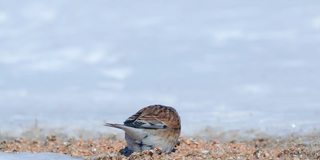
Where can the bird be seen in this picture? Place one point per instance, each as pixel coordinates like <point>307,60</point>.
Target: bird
<point>154,126</point>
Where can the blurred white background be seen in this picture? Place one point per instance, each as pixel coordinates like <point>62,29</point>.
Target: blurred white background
<point>225,64</point>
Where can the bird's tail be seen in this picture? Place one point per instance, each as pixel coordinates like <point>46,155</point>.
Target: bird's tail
<point>120,126</point>
<point>134,133</point>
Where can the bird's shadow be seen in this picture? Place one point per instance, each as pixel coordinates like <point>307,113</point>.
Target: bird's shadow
<point>126,151</point>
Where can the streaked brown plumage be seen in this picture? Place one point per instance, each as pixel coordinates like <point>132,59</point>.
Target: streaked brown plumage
<point>152,126</point>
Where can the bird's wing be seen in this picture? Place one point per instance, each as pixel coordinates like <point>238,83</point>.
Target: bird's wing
<point>148,118</point>
<point>145,124</point>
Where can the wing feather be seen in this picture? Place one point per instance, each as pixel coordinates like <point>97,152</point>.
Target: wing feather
<point>154,117</point>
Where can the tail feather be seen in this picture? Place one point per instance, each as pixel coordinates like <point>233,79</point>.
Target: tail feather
<point>134,133</point>
<point>120,126</point>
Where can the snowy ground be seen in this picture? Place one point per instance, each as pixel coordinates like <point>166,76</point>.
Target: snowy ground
<point>35,156</point>
<point>72,65</point>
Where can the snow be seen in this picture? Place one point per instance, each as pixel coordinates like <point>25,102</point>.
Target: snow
<point>35,156</point>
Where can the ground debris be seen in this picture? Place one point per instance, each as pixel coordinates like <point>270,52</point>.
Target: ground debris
<point>105,148</point>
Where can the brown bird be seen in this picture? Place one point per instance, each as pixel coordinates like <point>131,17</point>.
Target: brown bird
<point>153,126</point>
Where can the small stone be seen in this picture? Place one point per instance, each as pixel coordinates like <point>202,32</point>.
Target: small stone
<point>51,138</point>
<point>205,151</point>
